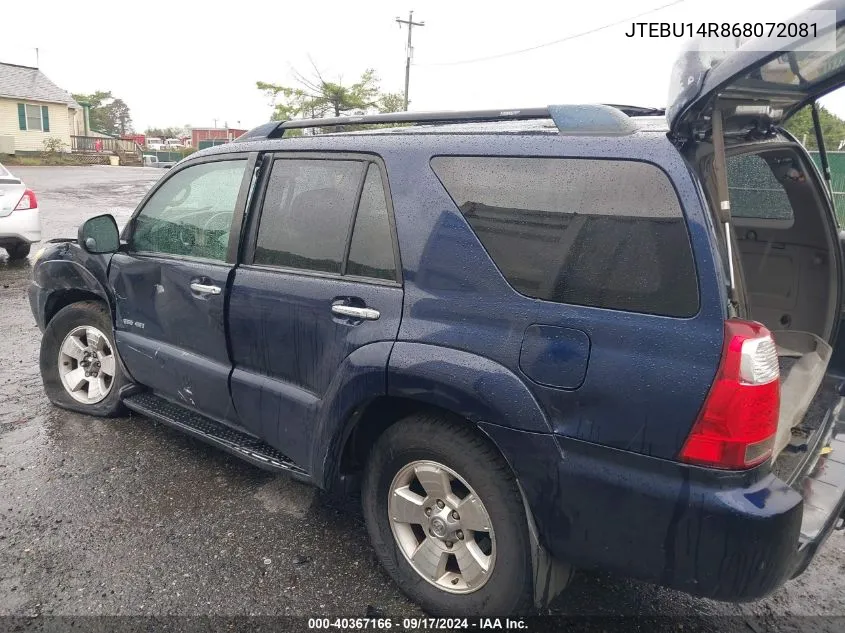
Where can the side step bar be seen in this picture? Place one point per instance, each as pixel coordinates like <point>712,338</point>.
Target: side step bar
<point>240,444</point>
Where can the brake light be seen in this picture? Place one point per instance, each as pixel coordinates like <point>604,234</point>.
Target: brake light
<point>27,201</point>
<point>737,426</point>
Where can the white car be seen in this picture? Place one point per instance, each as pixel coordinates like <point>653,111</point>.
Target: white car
<point>20,223</point>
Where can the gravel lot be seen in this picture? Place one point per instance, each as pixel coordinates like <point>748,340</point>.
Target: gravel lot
<point>127,517</point>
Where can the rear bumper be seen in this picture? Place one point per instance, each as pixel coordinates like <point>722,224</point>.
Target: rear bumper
<point>727,536</point>
<point>21,226</point>
<point>821,489</point>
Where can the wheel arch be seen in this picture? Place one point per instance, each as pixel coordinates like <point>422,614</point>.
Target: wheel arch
<point>64,297</point>
<point>425,377</point>
<point>63,282</point>
<point>364,427</point>
<point>550,576</point>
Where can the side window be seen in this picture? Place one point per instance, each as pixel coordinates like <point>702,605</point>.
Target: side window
<point>191,213</point>
<point>608,234</point>
<point>755,191</point>
<point>371,251</point>
<point>306,213</point>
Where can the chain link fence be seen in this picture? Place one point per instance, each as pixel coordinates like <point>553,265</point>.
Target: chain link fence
<point>836,160</point>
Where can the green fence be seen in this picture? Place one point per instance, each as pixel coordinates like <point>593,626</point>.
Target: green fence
<point>836,160</point>
<point>211,142</point>
<point>166,157</point>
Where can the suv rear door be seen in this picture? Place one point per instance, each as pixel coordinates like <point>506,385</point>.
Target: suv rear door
<point>764,80</point>
<point>170,282</point>
<point>319,279</point>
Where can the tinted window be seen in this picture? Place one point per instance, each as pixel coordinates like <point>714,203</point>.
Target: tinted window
<point>191,213</point>
<point>601,233</point>
<point>307,210</point>
<point>754,190</point>
<point>371,251</point>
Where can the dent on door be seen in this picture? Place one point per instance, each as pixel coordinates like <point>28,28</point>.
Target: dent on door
<point>169,334</point>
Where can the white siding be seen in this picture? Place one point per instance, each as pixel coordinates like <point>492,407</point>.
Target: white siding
<point>33,140</point>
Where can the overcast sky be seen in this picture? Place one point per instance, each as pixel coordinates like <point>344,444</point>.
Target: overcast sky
<point>186,62</point>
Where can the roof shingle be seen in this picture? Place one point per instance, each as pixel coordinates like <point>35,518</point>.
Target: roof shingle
<point>25,82</point>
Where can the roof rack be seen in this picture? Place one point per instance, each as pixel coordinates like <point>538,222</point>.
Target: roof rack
<point>587,119</point>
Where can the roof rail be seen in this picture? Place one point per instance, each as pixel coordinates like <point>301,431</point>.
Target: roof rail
<point>569,119</point>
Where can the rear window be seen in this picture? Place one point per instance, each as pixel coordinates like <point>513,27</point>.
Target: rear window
<point>754,190</point>
<point>601,233</point>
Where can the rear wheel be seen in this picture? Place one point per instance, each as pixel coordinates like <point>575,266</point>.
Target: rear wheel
<point>18,250</point>
<point>447,520</point>
<point>79,364</point>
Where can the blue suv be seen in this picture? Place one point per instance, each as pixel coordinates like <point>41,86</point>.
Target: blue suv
<point>576,336</point>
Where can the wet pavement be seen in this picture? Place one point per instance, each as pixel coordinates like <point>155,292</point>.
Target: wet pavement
<point>127,517</point>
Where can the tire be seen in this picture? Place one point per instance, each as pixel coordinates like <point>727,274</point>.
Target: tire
<point>423,439</point>
<point>19,251</point>
<point>76,320</point>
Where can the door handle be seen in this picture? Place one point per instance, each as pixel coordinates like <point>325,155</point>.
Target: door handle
<point>205,289</point>
<point>367,314</point>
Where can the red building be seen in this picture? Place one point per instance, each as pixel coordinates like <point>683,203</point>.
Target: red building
<point>140,139</point>
<point>213,133</point>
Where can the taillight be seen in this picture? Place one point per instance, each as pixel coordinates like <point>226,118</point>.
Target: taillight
<point>27,201</point>
<point>738,423</point>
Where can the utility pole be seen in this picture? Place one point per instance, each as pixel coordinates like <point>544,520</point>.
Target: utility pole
<point>409,51</point>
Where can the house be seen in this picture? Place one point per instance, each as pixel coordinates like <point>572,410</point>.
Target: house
<point>213,134</point>
<point>33,108</point>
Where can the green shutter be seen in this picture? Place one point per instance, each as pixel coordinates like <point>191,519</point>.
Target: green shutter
<point>22,116</point>
<point>45,119</point>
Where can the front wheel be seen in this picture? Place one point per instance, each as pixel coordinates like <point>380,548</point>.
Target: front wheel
<point>446,518</point>
<point>79,364</point>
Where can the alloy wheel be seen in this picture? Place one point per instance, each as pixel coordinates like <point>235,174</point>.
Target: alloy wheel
<point>441,527</point>
<point>87,365</point>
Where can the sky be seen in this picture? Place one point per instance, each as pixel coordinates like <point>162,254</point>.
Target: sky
<point>181,62</point>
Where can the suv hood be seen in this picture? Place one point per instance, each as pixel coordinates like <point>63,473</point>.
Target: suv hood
<point>755,86</point>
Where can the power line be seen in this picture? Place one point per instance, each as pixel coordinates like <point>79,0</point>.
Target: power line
<point>563,39</point>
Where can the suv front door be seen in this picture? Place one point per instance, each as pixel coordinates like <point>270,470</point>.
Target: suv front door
<point>170,282</point>
<point>317,298</point>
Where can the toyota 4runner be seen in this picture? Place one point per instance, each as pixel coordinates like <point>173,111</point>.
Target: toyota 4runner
<point>576,336</point>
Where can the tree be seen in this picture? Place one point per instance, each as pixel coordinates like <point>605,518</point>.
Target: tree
<point>391,102</point>
<point>106,113</point>
<point>315,97</point>
<point>833,128</point>
<point>96,110</point>
<point>167,132</point>
<point>119,118</point>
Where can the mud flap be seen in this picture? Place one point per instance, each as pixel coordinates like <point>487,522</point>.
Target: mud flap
<point>551,576</point>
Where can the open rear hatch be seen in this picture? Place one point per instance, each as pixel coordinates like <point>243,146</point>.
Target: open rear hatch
<point>734,97</point>
<point>759,82</point>
<point>730,99</point>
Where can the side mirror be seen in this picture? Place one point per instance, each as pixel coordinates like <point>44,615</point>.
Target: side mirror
<point>99,235</point>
